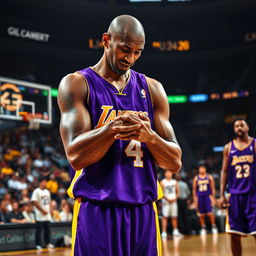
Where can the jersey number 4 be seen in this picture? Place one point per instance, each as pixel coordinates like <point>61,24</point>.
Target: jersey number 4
<point>245,173</point>
<point>133,149</point>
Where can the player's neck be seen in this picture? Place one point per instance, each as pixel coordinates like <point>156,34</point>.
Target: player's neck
<point>105,71</point>
<point>202,175</point>
<point>245,139</point>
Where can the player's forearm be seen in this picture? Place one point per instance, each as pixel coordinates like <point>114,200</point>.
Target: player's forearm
<point>89,147</point>
<point>223,182</point>
<point>167,154</point>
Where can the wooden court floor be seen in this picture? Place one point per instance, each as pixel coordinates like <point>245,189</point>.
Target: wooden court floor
<point>208,245</point>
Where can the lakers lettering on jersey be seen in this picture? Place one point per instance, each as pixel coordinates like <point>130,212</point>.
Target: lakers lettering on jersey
<point>241,170</point>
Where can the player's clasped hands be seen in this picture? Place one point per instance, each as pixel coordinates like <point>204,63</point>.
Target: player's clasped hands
<point>133,126</point>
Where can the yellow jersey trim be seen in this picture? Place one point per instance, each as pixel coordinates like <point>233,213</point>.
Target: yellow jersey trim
<point>120,92</point>
<point>71,187</point>
<point>160,193</point>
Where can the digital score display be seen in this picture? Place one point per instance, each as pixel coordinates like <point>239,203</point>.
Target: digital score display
<point>180,45</point>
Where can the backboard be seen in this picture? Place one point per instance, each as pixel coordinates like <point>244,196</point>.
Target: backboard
<point>20,98</point>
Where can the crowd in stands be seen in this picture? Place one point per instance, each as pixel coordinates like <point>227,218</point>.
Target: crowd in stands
<point>25,156</point>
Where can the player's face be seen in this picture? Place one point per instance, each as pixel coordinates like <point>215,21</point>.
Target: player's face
<point>202,170</point>
<point>123,53</point>
<point>240,128</point>
<point>168,175</point>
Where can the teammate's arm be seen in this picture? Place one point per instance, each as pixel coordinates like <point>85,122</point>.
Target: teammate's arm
<point>83,144</point>
<point>194,191</point>
<point>162,142</point>
<point>212,185</point>
<point>224,177</point>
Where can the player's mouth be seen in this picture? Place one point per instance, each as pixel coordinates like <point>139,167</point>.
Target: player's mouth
<point>124,65</point>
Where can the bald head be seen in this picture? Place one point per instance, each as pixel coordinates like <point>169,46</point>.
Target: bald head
<point>125,26</point>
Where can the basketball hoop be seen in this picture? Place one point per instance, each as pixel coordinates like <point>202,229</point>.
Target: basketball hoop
<point>31,119</point>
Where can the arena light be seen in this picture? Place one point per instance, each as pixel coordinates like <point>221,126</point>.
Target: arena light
<point>177,98</point>
<point>218,149</point>
<point>54,92</point>
<point>198,97</point>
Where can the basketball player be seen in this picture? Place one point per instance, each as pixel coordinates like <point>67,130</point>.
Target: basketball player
<point>170,206</point>
<point>238,171</point>
<point>204,197</point>
<point>115,127</point>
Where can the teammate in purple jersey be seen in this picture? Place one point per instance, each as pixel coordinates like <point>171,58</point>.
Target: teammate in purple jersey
<point>115,127</point>
<point>204,197</point>
<point>239,172</point>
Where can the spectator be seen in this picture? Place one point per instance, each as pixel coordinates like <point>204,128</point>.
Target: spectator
<point>24,198</point>
<point>66,214</point>
<point>55,212</point>
<point>3,211</point>
<point>8,197</point>
<point>41,199</point>
<point>16,216</point>
<point>28,212</point>
<point>53,186</point>
<point>3,190</point>
<point>6,169</point>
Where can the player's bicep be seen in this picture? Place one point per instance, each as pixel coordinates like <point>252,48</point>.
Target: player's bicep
<point>161,106</point>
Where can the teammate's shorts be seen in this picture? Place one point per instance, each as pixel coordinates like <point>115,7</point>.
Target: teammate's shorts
<point>110,229</point>
<point>169,209</point>
<point>204,204</point>
<point>241,217</point>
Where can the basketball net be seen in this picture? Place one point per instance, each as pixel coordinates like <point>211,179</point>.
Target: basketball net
<point>31,119</point>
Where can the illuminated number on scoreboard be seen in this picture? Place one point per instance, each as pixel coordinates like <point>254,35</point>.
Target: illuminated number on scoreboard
<point>240,168</point>
<point>134,150</point>
<point>202,187</point>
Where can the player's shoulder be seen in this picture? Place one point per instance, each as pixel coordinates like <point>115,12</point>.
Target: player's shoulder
<point>227,147</point>
<point>153,83</point>
<point>73,85</point>
<point>71,80</point>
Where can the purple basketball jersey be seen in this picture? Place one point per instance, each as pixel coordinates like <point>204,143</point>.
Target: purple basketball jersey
<point>241,170</point>
<point>203,186</point>
<point>127,173</point>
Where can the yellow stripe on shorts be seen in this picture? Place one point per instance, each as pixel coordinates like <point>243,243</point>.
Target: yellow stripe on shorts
<point>74,223</point>
<point>158,237</point>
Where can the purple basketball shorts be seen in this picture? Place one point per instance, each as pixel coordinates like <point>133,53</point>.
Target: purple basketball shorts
<point>204,204</point>
<point>111,229</point>
<point>241,218</point>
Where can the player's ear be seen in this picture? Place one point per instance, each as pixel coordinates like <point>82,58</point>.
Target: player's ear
<point>106,40</point>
